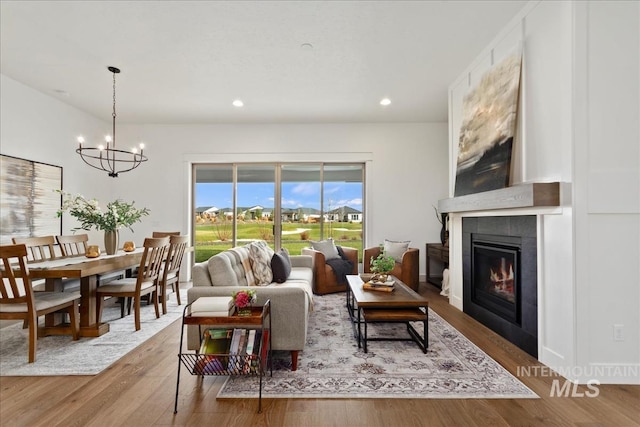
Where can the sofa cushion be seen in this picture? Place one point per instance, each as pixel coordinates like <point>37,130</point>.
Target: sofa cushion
<point>300,280</point>
<point>281,266</point>
<point>200,274</point>
<point>395,249</point>
<point>241,259</point>
<point>260,255</point>
<point>221,272</point>
<point>327,247</point>
<point>301,274</point>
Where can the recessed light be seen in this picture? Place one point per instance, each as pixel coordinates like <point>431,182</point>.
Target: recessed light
<point>238,103</point>
<point>306,46</point>
<point>385,101</point>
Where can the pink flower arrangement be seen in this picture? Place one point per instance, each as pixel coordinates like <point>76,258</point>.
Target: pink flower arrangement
<point>244,298</point>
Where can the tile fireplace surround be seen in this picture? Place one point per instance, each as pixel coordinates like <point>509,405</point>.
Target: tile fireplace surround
<point>518,232</point>
<point>515,213</point>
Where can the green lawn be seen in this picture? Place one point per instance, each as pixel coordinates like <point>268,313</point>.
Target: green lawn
<point>212,239</point>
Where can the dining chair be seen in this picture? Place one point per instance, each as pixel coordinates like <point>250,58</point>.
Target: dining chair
<point>170,274</point>
<point>74,244</point>
<point>38,248</point>
<point>126,302</point>
<point>156,234</point>
<point>145,283</point>
<point>19,301</point>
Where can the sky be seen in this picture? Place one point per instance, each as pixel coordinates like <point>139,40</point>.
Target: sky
<point>294,195</point>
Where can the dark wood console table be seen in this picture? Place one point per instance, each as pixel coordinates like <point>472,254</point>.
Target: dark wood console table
<point>439,255</point>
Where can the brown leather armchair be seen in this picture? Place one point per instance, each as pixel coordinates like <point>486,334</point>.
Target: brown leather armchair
<point>407,271</point>
<point>324,278</point>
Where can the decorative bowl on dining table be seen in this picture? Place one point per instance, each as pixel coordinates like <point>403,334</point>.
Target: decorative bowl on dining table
<point>93,251</point>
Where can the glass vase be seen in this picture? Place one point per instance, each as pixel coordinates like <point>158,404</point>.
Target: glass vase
<point>244,311</point>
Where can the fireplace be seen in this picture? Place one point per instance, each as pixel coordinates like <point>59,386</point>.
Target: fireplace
<point>494,276</point>
<point>500,276</point>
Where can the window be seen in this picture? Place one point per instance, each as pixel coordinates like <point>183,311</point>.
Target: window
<point>284,204</point>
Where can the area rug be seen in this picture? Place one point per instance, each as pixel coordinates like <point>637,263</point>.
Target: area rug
<point>332,365</point>
<point>60,355</point>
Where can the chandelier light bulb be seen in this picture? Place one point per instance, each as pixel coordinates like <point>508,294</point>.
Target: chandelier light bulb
<point>80,139</point>
<point>238,103</point>
<point>141,146</point>
<point>134,150</point>
<point>108,138</point>
<point>100,147</point>
<point>385,102</point>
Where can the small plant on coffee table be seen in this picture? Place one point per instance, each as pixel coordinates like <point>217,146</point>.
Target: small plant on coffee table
<point>382,266</point>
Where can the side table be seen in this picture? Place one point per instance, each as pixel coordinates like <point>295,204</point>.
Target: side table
<point>226,363</point>
<point>437,254</point>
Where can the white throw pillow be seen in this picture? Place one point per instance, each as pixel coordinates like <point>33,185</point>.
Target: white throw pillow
<point>327,247</point>
<point>396,249</point>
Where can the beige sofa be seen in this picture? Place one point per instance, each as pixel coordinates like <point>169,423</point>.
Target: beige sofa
<point>291,301</point>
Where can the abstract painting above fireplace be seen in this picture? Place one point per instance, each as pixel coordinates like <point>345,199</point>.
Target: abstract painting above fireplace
<point>500,276</point>
<point>488,128</point>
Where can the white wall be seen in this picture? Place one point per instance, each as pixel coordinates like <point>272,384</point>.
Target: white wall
<point>406,167</point>
<point>607,186</point>
<point>37,127</point>
<point>406,163</point>
<point>579,112</point>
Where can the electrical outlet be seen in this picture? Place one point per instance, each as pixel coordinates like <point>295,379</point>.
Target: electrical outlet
<point>618,332</point>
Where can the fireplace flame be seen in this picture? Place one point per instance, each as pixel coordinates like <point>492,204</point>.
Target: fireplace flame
<point>503,274</point>
<point>502,280</point>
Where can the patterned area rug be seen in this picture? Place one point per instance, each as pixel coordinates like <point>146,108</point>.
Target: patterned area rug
<point>332,365</point>
<point>60,355</point>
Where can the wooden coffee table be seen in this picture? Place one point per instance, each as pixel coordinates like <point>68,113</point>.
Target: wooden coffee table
<point>402,305</point>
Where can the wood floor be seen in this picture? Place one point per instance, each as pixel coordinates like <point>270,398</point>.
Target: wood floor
<point>139,390</point>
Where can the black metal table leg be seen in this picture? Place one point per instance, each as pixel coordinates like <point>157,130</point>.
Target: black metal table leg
<point>175,406</point>
<point>365,337</point>
<point>359,337</point>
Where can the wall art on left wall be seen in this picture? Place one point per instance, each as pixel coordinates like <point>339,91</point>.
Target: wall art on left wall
<point>28,200</point>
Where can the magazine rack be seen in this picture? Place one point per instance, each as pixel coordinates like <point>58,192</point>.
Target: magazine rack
<point>229,363</point>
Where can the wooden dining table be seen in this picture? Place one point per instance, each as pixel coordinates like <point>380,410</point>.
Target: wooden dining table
<point>88,271</point>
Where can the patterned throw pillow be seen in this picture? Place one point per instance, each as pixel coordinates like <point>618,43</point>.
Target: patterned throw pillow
<point>260,255</point>
<point>396,249</point>
<point>281,266</point>
<point>327,247</point>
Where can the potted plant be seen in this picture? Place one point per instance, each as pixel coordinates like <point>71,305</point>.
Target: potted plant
<point>382,266</point>
<point>117,214</point>
<point>242,300</point>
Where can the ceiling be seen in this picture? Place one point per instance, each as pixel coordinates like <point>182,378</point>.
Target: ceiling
<point>186,61</point>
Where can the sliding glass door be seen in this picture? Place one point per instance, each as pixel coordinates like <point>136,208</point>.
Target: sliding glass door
<point>342,200</point>
<point>255,195</point>
<point>284,204</point>
<point>214,215</point>
<point>300,206</point>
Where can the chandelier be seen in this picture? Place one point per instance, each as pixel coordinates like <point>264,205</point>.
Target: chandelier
<point>109,158</point>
